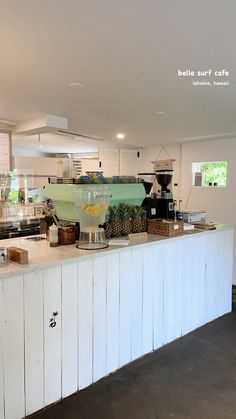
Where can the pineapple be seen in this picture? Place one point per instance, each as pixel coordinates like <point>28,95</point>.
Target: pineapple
<point>139,220</point>
<point>113,223</point>
<point>125,211</point>
<point>108,224</point>
<point>116,223</point>
<point>136,220</point>
<point>143,216</point>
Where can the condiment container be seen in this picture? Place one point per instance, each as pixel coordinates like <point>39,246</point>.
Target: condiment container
<point>3,256</point>
<point>66,234</point>
<point>53,235</point>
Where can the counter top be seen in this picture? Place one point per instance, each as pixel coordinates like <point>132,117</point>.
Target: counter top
<point>41,255</point>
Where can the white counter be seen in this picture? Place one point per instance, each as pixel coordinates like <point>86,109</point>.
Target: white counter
<point>113,306</point>
<point>42,255</point>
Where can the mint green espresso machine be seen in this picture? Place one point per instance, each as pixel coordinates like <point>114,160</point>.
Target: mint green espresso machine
<point>63,196</point>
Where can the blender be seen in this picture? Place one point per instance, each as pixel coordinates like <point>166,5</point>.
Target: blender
<point>91,204</point>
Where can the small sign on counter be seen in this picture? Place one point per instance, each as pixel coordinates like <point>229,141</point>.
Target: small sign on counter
<point>138,236</point>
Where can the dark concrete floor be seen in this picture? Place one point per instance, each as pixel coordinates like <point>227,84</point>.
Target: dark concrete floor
<point>191,378</point>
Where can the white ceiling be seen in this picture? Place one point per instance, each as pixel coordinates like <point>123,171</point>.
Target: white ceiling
<point>126,54</point>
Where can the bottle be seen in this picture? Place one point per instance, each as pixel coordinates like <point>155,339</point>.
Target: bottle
<point>53,235</point>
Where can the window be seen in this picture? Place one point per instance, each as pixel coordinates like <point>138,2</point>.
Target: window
<point>210,173</point>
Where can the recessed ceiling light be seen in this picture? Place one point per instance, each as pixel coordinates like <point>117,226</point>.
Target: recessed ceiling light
<point>76,84</point>
<point>120,136</point>
<point>161,113</point>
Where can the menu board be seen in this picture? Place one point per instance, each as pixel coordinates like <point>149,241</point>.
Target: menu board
<point>4,152</point>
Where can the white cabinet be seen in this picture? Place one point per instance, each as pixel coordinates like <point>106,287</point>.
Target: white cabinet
<point>13,347</point>
<point>90,165</point>
<point>85,323</point>
<point>99,317</point>
<point>113,310</point>
<point>109,160</point>
<point>69,332</point>
<point>125,307</point>
<point>136,304</point>
<point>218,275</point>
<point>52,335</point>
<point>225,260</point>
<point>193,283</point>
<point>157,287</point>
<point>1,354</point>
<point>172,289</point>
<point>129,162</point>
<point>65,327</point>
<point>114,162</point>
<point>34,340</point>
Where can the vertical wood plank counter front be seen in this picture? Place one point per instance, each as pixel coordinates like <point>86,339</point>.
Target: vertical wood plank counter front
<point>67,323</point>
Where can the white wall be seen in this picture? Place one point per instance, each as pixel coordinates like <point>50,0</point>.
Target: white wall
<point>219,203</point>
<point>172,151</point>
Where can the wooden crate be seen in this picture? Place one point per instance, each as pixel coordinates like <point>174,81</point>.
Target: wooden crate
<point>165,227</point>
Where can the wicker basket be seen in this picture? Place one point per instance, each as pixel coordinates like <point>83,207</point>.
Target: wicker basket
<point>165,227</point>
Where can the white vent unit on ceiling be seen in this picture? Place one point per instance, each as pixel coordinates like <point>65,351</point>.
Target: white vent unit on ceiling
<point>44,124</point>
<point>77,136</point>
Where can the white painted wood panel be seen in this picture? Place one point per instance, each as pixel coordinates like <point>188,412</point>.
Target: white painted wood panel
<point>158,296</point>
<point>99,317</point>
<point>69,329</point>
<point>52,335</point>
<point>125,314</point>
<point>1,355</point>
<point>113,307</point>
<point>225,259</point>
<point>172,289</point>
<point>193,284</point>
<point>34,375</point>
<point>85,323</point>
<point>13,347</point>
<point>148,298</point>
<point>136,297</point>
<point>212,278</point>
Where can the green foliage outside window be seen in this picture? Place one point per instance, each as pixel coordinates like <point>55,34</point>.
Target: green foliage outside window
<point>214,174</point>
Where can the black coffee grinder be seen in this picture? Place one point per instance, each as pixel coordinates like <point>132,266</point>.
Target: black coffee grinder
<point>165,200</point>
<point>162,205</point>
<point>149,203</point>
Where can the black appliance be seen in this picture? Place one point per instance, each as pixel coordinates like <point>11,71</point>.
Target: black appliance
<point>162,205</point>
<point>22,228</point>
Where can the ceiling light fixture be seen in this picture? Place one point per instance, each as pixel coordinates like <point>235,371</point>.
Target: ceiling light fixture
<point>76,84</point>
<point>120,136</point>
<point>161,113</point>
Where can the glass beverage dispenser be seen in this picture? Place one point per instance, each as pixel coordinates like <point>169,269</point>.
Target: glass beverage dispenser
<point>91,204</point>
